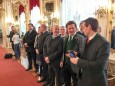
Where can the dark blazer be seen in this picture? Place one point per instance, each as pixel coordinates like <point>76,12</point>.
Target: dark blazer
<point>80,33</point>
<point>93,64</point>
<point>79,42</point>
<point>113,39</point>
<point>11,35</point>
<point>53,48</point>
<point>42,39</point>
<point>29,38</point>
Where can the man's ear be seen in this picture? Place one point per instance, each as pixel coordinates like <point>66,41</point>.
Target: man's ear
<point>89,26</point>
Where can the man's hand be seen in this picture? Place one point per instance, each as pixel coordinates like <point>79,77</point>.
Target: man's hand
<point>68,55</point>
<point>47,60</point>
<point>74,60</point>
<point>25,44</point>
<point>37,51</point>
<point>61,64</point>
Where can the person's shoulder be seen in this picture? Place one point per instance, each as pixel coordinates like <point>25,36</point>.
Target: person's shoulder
<point>61,38</point>
<point>66,36</point>
<point>49,36</point>
<point>102,40</point>
<point>78,36</point>
<point>47,33</point>
<point>34,31</point>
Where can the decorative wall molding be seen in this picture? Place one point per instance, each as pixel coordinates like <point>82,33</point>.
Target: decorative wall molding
<point>22,2</point>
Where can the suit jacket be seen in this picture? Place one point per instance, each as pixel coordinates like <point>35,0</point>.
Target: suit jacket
<point>11,35</point>
<point>53,48</point>
<point>79,42</point>
<point>113,39</point>
<point>80,33</point>
<point>94,62</point>
<point>29,38</point>
<point>42,39</point>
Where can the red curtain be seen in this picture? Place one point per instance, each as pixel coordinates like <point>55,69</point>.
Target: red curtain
<point>21,9</point>
<point>33,3</point>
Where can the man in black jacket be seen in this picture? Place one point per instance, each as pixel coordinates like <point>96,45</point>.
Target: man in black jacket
<point>81,28</point>
<point>113,38</point>
<point>39,51</point>
<point>29,39</point>
<point>12,32</point>
<point>73,41</point>
<point>93,64</point>
<point>53,50</point>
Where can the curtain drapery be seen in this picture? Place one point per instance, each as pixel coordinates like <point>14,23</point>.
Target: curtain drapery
<point>33,3</point>
<point>21,9</point>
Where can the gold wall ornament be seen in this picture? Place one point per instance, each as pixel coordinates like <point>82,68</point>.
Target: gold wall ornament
<point>100,12</point>
<point>43,20</point>
<point>110,22</point>
<point>1,1</point>
<point>22,2</point>
<point>112,1</point>
<point>50,9</point>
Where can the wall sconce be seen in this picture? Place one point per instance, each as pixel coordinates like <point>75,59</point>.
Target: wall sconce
<point>101,12</point>
<point>55,17</point>
<point>43,20</point>
<point>55,20</point>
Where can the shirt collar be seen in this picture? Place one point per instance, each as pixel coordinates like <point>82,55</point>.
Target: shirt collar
<point>44,31</point>
<point>62,35</point>
<point>90,38</point>
<point>30,31</point>
<point>72,35</point>
<point>54,36</point>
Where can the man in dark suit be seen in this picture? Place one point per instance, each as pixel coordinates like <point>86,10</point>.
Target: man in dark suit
<point>72,41</point>
<point>12,32</point>
<point>62,31</point>
<point>113,38</point>
<point>29,39</point>
<point>93,64</point>
<point>53,50</point>
<point>39,51</point>
<point>81,28</point>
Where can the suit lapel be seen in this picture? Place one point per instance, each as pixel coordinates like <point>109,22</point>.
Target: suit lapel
<point>65,41</point>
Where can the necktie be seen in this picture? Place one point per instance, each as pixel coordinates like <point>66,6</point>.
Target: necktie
<point>88,40</point>
<point>70,38</point>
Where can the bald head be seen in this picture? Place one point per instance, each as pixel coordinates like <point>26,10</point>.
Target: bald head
<point>62,30</point>
<point>43,27</point>
<point>55,30</point>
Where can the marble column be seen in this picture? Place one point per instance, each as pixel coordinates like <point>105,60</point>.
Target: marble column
<point>7,21</point>
<point>27,13</point>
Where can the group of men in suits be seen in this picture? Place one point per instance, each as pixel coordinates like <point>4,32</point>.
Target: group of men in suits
<point>87,68</point>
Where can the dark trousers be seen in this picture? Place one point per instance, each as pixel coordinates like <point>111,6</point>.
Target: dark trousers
<point>43,66</point>
<point>12,44</point>
<point>54,73</point>
<point>17,50</point>
<point>32,56</point>
<point>68,74</point>
<point>38,62</point>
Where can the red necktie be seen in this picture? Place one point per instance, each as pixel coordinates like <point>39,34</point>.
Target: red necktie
<point>88,40</point>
